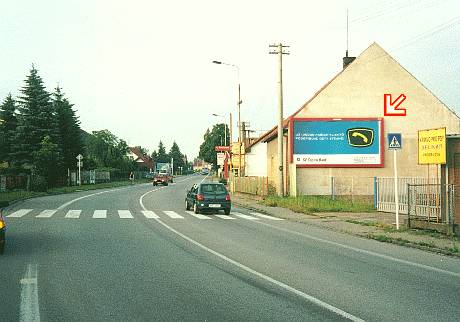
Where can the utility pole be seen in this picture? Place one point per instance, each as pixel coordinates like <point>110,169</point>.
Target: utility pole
<point>279,51</point>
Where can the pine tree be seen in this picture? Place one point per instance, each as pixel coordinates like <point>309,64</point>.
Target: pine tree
<point>69,129</point>
<point>162,156</point>
<point>8,124</point>
<point>178,157</point>
<point>36,120</point>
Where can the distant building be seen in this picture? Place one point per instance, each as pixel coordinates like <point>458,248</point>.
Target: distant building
<point>199,165</point>
<point>143,161</point>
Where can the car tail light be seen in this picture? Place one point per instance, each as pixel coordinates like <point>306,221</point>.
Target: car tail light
<point>227,197</point>
<point>199,197</point>
<point>2,223</point>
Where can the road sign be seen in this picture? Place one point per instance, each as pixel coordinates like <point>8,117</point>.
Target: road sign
<point>79,163</point>
<point>392,108</point>
<point>79,157</point>
<point>432,146</point>
<point>394,141</point>
<point>220,148</point>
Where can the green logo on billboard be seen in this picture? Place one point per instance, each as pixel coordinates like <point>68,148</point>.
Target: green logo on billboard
<point>360,137</point>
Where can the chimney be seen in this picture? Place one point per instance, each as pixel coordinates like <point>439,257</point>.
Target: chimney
<point>347,60</point>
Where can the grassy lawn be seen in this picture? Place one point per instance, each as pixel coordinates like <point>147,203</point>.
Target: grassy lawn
<point>22,194</point>
<point>310,204</point>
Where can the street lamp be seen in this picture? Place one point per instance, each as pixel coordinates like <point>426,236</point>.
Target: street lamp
<point>225,127</point>
<point>239,107</point>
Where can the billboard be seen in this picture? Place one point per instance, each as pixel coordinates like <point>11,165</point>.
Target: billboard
<point>356,142</point>
<point>432,146</point>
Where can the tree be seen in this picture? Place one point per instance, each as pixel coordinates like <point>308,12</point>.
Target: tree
<point>69,128</point>
<point>107,151</point>
<point>36,120</point>
<point>178,157</point>
<point>46,159</point>
<point>8,124</point>
<point>211,140</point>
<point>162,156</point>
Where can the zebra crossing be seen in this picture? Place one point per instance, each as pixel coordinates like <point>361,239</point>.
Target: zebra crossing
<point>128,214</point>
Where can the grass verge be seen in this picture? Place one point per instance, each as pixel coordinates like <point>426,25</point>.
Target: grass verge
<point>454,250</point>
<point>310,204</point>
<point>11,196</point>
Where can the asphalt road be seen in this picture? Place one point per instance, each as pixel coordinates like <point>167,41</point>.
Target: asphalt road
<point>146,259</point>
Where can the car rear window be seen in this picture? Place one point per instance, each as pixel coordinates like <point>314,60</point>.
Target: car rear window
<point>213,188</point>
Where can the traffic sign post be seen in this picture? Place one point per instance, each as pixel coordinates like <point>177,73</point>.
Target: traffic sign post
<point>395,143</point>
<point>79,165</point>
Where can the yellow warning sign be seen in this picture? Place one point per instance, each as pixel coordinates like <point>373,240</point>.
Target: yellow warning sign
<point>432,146</point>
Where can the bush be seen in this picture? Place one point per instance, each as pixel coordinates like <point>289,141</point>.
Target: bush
<point>38,183</point>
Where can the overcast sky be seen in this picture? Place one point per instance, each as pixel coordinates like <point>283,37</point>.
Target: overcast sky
<point>142,68</point>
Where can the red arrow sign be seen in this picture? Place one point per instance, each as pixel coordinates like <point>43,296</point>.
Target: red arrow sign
<point>391,108</point>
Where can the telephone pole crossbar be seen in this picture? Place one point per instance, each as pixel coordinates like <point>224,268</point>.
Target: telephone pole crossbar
<point>280,52</point>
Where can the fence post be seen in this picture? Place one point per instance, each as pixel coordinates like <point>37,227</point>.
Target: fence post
<point>408,205</point>
<point>332,188</point>
<point>375,192</point>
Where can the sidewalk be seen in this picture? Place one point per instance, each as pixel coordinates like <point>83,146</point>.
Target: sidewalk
<point>375,225</point>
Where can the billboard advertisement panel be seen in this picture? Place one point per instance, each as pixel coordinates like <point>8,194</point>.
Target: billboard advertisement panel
<point>337,142</point>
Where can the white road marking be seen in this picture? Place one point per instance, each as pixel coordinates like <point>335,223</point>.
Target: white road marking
<point>173,214</point>
<point>150,214</point>
<point>197,215</point>
<point>125,214</point>
<point>256,273</point>
<point>20,213</point>
<point>100,214</point>
<point>73,214</point>
<point>367,252</point>
<point>244,216</point>
<point>265,216</point>
<point>29,309</point>
<point>225,217</point>
<point>46,213</point>
<point>64,205</point>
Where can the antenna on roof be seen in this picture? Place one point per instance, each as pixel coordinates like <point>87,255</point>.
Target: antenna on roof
<point>347,59</point>
<point>346,53</point>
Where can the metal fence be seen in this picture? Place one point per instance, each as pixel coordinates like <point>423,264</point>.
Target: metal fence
<point>250,185</point>
<point>385,194</point>
<point>431,202</point>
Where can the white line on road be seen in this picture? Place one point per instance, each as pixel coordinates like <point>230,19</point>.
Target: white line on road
<point>191,213</point>
<point>20,213</point>
<point>367,252</point>
<point>265,216</point>
<point>100,214</point>
<point>256,273</point>
<point>90,195</point>
<point>150,214</point>
<point>173,214</point>
<point>29,309</point>
<point>46,213</point>
<point>125,214</point>
<point>244,216</point>
<point>73,214</point>
<point>225,217</point>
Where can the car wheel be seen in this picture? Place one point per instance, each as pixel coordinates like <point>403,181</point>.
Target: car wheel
<point>227,211</point>
<point>196,209</point>
<point>187,207</point>
<point>154,184</point>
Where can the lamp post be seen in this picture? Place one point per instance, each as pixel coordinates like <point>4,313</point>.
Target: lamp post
<point>225,127</point>
<point>239,108</point>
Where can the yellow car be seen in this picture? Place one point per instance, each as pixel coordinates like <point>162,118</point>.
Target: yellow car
<point>3,204</point>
